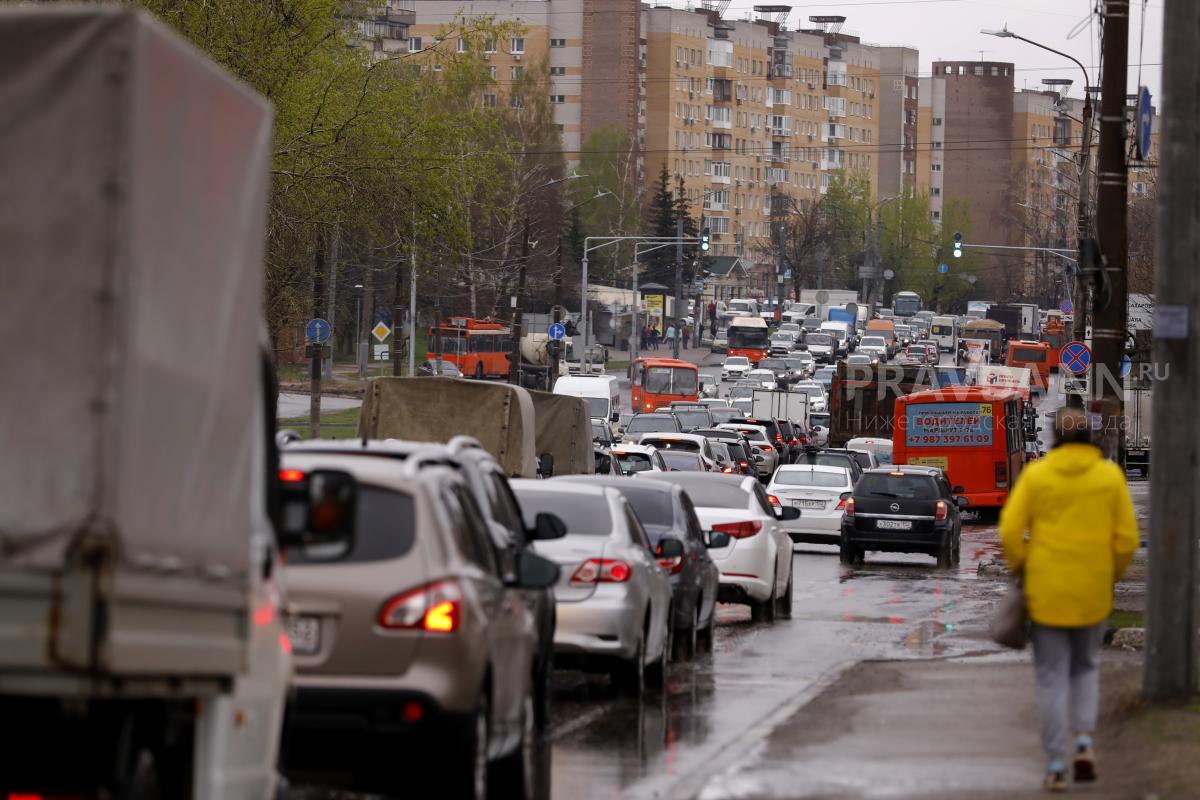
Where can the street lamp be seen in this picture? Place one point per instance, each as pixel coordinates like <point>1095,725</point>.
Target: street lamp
<point>360,347</point>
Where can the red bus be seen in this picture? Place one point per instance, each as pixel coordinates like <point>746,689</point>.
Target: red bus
<point>748,337</point>
<point>1055,335</point>
<point>657,382</point>
<point>975,435</point>
<point>1033,356</point>
<point>480,347</point>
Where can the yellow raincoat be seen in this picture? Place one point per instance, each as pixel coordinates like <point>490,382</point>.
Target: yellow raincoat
<point>1082,534</point>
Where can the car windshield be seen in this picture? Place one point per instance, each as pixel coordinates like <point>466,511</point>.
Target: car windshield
<point>897,485</point>
<point>819,419</point>
<point>754,434</point>
<point>844,460</point>
<point>585,514</point>
<point>712,492</point>
<point>649,423</point>
<point>741,391</point>
<point>811,477</point>
<point>688,462</point>
<point>693,418</point>
<point>863,459</point>
<point>670,380</point>
<point>633,462</point>
<point>872,341</point>
<point>782,338</point>
<point>598,407</point>
<point>857,359</point>
<point>819,339</point>
<point>810,324</point>
<point>794,363</point>
<point>686,445</point>
<point>772,364</point>
<point>747,337</point>
<point>384,528</point>
<point>600,430</point>
<point>737,361</point>
<point>810,391</point>
<point>720,415</point>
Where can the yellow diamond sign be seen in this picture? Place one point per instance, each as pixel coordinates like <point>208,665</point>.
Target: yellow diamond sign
<point>381,331</point>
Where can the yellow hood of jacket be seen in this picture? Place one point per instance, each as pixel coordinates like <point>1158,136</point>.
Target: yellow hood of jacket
<point>1069,524</point>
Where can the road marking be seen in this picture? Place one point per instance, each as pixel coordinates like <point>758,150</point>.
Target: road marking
<point>581,721</point>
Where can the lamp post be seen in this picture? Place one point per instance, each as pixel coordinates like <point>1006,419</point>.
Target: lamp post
<point>359,345</point>
<point>873,255</point>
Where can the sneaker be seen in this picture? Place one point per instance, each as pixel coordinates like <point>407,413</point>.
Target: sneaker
<point>1055,781</point>
<point>1084,762</point>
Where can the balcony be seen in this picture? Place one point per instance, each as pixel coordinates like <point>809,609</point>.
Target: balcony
<point>722,90</point>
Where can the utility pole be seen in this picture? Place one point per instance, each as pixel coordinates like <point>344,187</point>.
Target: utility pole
<point>867,265</point>
<point>412,302</point>
<point>678,283</point>
<point>1109,303</point>
<point>332,308</point>
<point>1171,669</point>
<point>779,267</point>
<point>514,357</point>
<point>315,350</point>
<point>554,349</point>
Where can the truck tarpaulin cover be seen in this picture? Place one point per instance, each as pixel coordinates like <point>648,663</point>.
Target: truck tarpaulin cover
<point>564,430</point>
<point>438,409</point>
<point>133,205</point>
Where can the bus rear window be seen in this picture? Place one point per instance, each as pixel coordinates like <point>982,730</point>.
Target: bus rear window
<point>1030,355</point>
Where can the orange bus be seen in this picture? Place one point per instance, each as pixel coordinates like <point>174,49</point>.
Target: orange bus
<point>1055,335</point>
<point>975,435</point>
<point>658,382</point>
<point>748,337</point>
<point>479,347</point>
<point>1033,356</point>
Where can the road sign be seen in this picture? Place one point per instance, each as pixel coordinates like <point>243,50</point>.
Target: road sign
<point>1145,121</point>
<point>943,268</point>
<point>381,331</point>
<point>1066,306</point>
<point>888,274</point>
<point>558,331</point>
<point>822,297</point>
<point>1126,366</point>
<point>1075,357</point>
<point>317,330</point>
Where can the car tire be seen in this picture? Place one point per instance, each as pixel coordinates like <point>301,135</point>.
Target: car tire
<point>656,673</point>
<point>945,552</point>
<point>764,611</point>
<point>629,677</point>
<point>957,553</point>
<point>687,641</point>
<point>515,774</point>
<point>784,606</point>
<point>705,639</point>
<point>472,779</point>
<point>848,554</point>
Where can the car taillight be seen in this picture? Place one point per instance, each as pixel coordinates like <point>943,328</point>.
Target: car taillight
<point>436,608</point>
<point>1001,474</point>
<point>291,475</point>
<point>602,570</point>
<point>727,470</point>
<point>941,510</point>
<point>774,500</point>
<point>843,500</point>
<point>739,530</point>
<point>849,507</point>
<point>671,565</point>
<point>743,463</point>
<point>793,441</point>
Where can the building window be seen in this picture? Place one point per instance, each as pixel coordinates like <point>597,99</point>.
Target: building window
<point>414,44</point>
<point>937,145</point>
<point>936,191</point>
<point>962,70</point>
<point>516,73</point>
<point>515,101</point>
<point>949,70</point>
<point>937,215</point>
<point>995,72</point>
<point>492,72</point>
<point>936,167</point>
<point>558,42</point>
<point>558,99</point>
<point>518,45</point>
<point>462,46</point>
<point>489,101</point>
<point>937,121</point>
<point>979,69</point>
<point>489,46</point>
<point>558,70</point>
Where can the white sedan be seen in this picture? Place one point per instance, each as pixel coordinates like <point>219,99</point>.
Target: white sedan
<point>765,378</point>
<point>820,493</point>
<point>735,367</point>
<point>746,539</point>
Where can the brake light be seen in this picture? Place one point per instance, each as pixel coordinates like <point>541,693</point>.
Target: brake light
<point>602,570</point>
<point>436,608</point>
<point>291,475</point>
<point>842,499</point>
<point>774,500</point>
<point>743,463</point>
<point>941,511</point>
<point>727,470</point>
<point>849,504</point>
<point>739,530</point>
<point>793,441</point>
<point>1001,474</point>
<point>671,565</point>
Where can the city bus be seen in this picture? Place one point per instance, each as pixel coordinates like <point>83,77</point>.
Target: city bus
<point>479,347</point>
<point>658,382</point>
<point>748,337</point>
<point>1033,356</point>
<point>1055,335</point>
<point>906,304</point>
<point>975,435</point>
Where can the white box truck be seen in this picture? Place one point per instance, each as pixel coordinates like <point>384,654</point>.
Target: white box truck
<point>780,405</point>
<point>142,647</point>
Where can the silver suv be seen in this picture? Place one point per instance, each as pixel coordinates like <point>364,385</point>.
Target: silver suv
<point>410,646</point>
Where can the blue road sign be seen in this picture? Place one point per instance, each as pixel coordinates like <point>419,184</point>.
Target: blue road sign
<point>317,331</point>
<point>1145,121</point>
<point>1066,306</point>
<point>558,331</point>
<point>1126,366</point>
<point>943,268</point>
<point>1075,357</point>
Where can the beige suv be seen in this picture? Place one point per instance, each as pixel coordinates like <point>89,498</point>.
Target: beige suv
<point>410,648</point>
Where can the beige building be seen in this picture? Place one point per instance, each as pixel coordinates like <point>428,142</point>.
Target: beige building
<point>899,98</point>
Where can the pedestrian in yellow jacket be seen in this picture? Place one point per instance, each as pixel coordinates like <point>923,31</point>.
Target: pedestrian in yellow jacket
<point>1069,527</point>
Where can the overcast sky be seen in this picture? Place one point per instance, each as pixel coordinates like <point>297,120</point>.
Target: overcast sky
<point>949,30</point>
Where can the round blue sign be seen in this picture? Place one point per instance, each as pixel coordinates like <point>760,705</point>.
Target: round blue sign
<point>1126,366</point>
<point>1145,121</point>
<point>317,331</point>
<point>1075,357</point>
<point>943,268</point>
<point>558,331</point>
<point>1066,306</point>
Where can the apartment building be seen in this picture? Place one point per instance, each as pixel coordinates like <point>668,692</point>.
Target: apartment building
<point>899,98</point>
<point>591,49</point>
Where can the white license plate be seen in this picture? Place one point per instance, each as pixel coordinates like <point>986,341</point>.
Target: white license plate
<point>893,524</point>
<point>809,504</point>
<point>305,633</point>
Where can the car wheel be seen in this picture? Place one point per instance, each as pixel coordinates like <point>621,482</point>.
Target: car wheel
<point>957,554</point>
<point>471,780</point>
<point>687,641</point>
<point>945,552</point>
<point>630,676</point>
<point>847,553</point>
<point>764,611</point>
<point>705,639</point>
<point>514,774</point>
<point>656,674</point>
<point>784,609</point>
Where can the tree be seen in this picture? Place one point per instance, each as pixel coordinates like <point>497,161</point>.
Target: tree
<point>609,158</point>
<point>659,220</point>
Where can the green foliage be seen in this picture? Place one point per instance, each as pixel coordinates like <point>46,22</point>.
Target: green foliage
<point>608,159</point>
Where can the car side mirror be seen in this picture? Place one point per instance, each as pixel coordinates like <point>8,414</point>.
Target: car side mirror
<point>546,465</point>
<point>669,548</point>
<point>962,502</point>
<point>716,539</point>
<point>547,526</point>
<point>614,416</point>
<point>535,572</point>
<point>786,513</point>
<point>958,490</point>
<point>317,509</point>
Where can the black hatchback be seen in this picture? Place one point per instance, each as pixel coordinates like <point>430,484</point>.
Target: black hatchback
<point>903,510</point>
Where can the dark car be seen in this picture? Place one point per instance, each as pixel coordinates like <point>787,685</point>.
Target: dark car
<point>910,510</point>
<point>446,369</point>
<point>739,448</point>
<point>832,458</point>
<point>683,461</point>
<point>692,417</point>
<point>601,433</point>
<point>651,423</point>
<point>720,415</point>
<point>794,437</point>
<point>666,511</point>
<point>783,373</point>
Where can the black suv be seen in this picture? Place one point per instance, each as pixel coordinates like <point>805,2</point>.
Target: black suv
<point>903,510</point>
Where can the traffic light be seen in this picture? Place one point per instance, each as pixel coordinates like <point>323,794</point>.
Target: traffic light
<point>957,244</point>
<point>704,240</point>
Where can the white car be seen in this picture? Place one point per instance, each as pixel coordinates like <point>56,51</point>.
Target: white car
<point>687,442</point>
<point>862,360</point>
<point>634,458</point>
<point>818,399</point>
<point>882,448</point>
<point>735,367</point>
<point>820,493</point>
<point>612,599</point>
<point>875,346</point>
<point>818,428</point>
<point>714,402</point>
<point>822,345</point>
<point>760,445</point>
<point>765,378</point>
<point>746,540</point>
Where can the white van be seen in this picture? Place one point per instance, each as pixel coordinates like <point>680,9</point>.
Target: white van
<point>742,307</point>
<point>600,392</point>
<point>944,331</point>
<point>841,332</point>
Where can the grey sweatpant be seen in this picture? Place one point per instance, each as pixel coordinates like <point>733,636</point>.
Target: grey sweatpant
<point>1068,683</point>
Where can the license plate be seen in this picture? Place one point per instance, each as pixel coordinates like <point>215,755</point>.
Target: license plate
<point>893,524</point>
<point>809,503</point>
<point>305,633</point>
